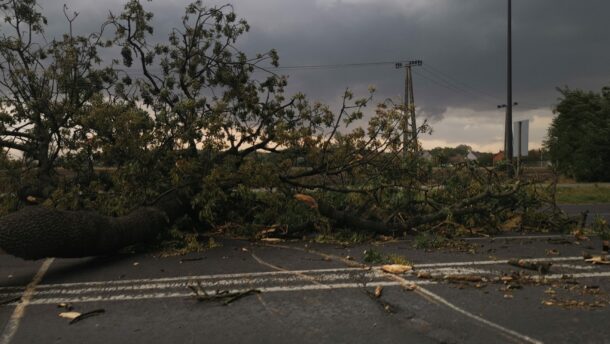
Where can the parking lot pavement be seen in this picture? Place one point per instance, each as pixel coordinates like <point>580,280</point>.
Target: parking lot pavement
<point>306,292</point>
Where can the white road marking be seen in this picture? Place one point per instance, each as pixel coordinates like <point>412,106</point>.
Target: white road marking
<point>525,237</point>
<point>262,277</point>
<point>478,318</point>
<point>273,289</point>
<point>188,278</point>
<point>13,324</point>
<point>455,271</point>
<point>275,273</point>
<point>204,284</point>
<point>275,267</point>
<point>574,267</point>
<point>72,295</point>
<point>499,262</point>
<point>580,275</point>
<point>427,293</point>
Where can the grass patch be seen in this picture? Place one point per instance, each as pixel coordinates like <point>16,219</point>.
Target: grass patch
<point>372,256</point>
<point>397,259</point>
<point>601,228</point>
<point>583,195</point>
<point>429,241</point>
<point>343,237</point>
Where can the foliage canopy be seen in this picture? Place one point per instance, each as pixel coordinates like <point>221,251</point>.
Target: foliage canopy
<point>579,137</point>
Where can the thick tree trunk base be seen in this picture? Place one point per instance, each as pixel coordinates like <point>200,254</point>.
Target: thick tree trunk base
<point>38,232</point>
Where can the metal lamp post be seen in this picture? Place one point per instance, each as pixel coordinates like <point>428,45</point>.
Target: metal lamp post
<point>508,132</point>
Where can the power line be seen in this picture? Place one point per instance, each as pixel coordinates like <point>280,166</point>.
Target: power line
<point>444,80</point>
<point>439,82</point>
<point>451,80</point>
<point>337,65</point>
<point>433,74</point>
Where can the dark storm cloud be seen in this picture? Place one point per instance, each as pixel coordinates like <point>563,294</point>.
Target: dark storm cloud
<point>462,43</point>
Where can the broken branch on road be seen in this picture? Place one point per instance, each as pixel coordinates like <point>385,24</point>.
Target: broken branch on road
<point>376,296</point>
<point>541,267</point>
<point>224,296</point>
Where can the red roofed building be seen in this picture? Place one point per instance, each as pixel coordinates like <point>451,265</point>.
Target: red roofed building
<point>498,157</point>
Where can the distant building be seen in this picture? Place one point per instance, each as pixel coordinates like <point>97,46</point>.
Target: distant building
<point>471,156</point>
<point>498,157</point>
<point>426,155</point>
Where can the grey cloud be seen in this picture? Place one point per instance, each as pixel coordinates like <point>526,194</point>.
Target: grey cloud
<point>462,43</point>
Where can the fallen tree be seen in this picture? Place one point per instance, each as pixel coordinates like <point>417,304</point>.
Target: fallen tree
<point>244,148</point>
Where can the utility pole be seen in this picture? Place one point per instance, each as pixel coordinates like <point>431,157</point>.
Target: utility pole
<point>508,128</point>
<point>409,107</point>
<point>412,109</point>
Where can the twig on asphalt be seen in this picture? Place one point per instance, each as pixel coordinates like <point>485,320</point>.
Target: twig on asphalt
<point>387,307</point>
<point>541,267</point>
<point>10,300</point>
<point>197,259</point>
<point>86,315</point>
<point>220,295</point>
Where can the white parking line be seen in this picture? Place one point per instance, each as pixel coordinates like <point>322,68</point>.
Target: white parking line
<point>501,261</point>
<point>273,273</point>
<point>13,324</point>
<point>135,287</point>
<point>524,237</point>
<point>187,278</point>
<point>501,328</point>
<point>273,289</point>
<point>580,275</point>
<point>437,298</point>
<point>574,267</point>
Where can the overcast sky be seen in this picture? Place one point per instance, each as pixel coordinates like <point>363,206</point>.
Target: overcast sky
<point>462,44</point>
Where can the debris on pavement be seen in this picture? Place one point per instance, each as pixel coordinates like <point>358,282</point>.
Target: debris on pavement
<point>225,296</point>
<point>573,304</point>
<point>541,267</point>
<point>387,307</point>
<point>396,268</point>
<point>197,259</point>
<point>552,252</point>
<point>601,260</point>
<point>66,306</point>
<point>464,278</point>
<point>378,291</point>
<point>69,315</point>
<point>75,317</point>
<point>271,240</point>
<point>506,279</point>
<point>86,315</point>
<point>409,287</point>
<point>424,274</point>
<point>580,235</point>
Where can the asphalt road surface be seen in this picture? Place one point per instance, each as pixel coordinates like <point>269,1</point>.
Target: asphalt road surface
<point>303,292</point>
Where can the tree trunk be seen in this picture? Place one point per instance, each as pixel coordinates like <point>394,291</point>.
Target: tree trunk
<point>38,232</point>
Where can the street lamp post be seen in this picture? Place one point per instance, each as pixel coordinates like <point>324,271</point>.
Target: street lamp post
<point>508,131</point>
